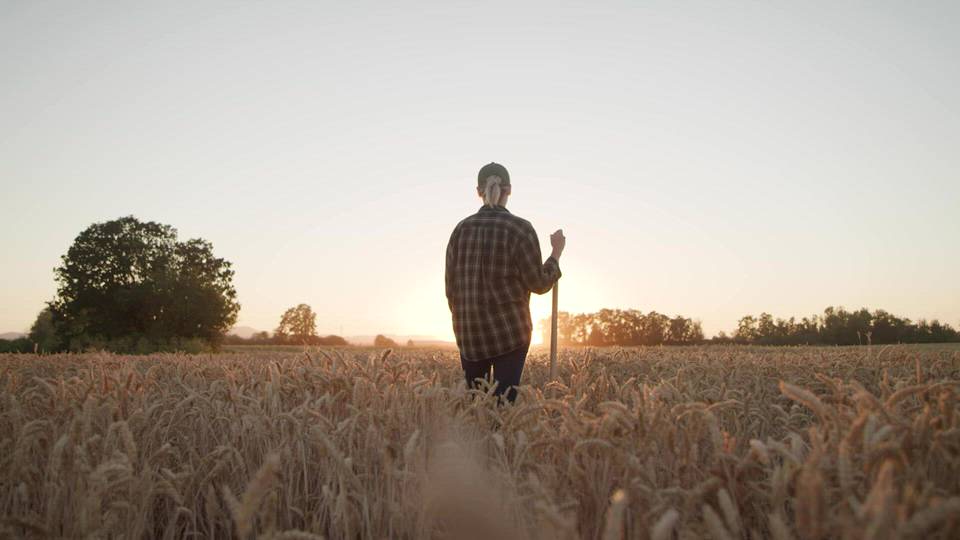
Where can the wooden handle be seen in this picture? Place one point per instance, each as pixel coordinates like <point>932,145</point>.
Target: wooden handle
<point>553,334</point>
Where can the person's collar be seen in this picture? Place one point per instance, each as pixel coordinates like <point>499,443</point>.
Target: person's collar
<point>496,208</point>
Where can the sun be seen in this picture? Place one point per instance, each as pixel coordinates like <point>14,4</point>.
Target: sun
<point>540,307</point>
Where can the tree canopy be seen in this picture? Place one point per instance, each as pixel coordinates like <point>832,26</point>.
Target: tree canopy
<point>623,327</point>
<point>383,341</point>
<point>297,324</point>
<point>126,284</point>
<point>837,326</point>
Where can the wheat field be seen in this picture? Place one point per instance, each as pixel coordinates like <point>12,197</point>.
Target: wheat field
<point>711,442</point>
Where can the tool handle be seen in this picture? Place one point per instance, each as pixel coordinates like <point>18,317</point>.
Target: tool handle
<point>553,334</point>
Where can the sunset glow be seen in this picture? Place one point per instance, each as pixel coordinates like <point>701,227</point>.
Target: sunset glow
<point>328,151</point>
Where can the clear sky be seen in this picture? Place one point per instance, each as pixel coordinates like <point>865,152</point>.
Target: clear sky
<point>710,160</point>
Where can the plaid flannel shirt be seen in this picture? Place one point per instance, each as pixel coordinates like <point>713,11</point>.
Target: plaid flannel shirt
<point>493,264</point>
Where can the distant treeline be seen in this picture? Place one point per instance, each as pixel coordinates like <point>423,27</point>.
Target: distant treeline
<point>839,327</point>
<point>20,344</point>
<point>298,326</point>
<point>28,344</point>
<point>836,326</point>
<point>623,327</point>
<point>264,338</point>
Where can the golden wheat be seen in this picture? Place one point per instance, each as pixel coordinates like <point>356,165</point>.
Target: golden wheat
<point>728,442</point>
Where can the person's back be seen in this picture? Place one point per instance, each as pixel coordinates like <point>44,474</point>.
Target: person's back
<point>493,263</point>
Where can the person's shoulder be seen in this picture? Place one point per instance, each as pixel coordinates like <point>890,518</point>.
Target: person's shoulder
<point>466,221</point>
<point>520,221</point>
<point>462,223</point>
<point>521,225</point>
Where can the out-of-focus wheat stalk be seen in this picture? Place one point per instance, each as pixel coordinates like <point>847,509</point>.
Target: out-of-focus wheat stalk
<point>728,442</point>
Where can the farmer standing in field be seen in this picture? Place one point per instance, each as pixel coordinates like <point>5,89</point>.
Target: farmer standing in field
<point>493,264</point>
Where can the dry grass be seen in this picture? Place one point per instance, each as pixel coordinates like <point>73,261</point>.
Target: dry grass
<point>628,443</point>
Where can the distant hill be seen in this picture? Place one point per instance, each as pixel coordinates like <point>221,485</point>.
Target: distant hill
<point>245,332</point>
<point>10,336</point>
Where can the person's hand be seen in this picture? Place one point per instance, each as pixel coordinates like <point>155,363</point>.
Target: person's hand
<point>558,242</point>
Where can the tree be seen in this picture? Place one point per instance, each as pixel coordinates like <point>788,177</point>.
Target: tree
<point>695,334</point>
<point>746,330</point>
<point>331,340</point>
<point>17,345</point>
<point>596,336</point>
<point>44,332</point>
<point>383,341</point>
<point>298,323</point>
<point>125,281</point>
<point>654,328</point>
<point>886,327</point>
<point>680,330</point>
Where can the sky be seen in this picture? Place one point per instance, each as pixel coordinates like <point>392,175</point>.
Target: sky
<point>704,159</point>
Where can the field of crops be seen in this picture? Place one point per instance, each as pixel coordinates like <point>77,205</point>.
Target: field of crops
<point>721,442</point>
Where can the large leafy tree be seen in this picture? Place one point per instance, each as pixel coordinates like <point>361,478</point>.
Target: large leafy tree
<point>127,278</point>
<point>298,323</point>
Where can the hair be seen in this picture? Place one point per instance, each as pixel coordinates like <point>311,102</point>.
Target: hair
<point>491,192</point>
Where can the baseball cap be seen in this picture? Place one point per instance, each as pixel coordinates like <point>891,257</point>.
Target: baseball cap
<point>493,169</point>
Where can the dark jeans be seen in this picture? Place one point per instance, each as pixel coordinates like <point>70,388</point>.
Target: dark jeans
<point>507,369</point>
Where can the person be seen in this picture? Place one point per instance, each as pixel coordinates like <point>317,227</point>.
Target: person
<point>493,263</point>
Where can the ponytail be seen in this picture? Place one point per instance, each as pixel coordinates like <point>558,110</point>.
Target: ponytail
<point>491,193</point>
